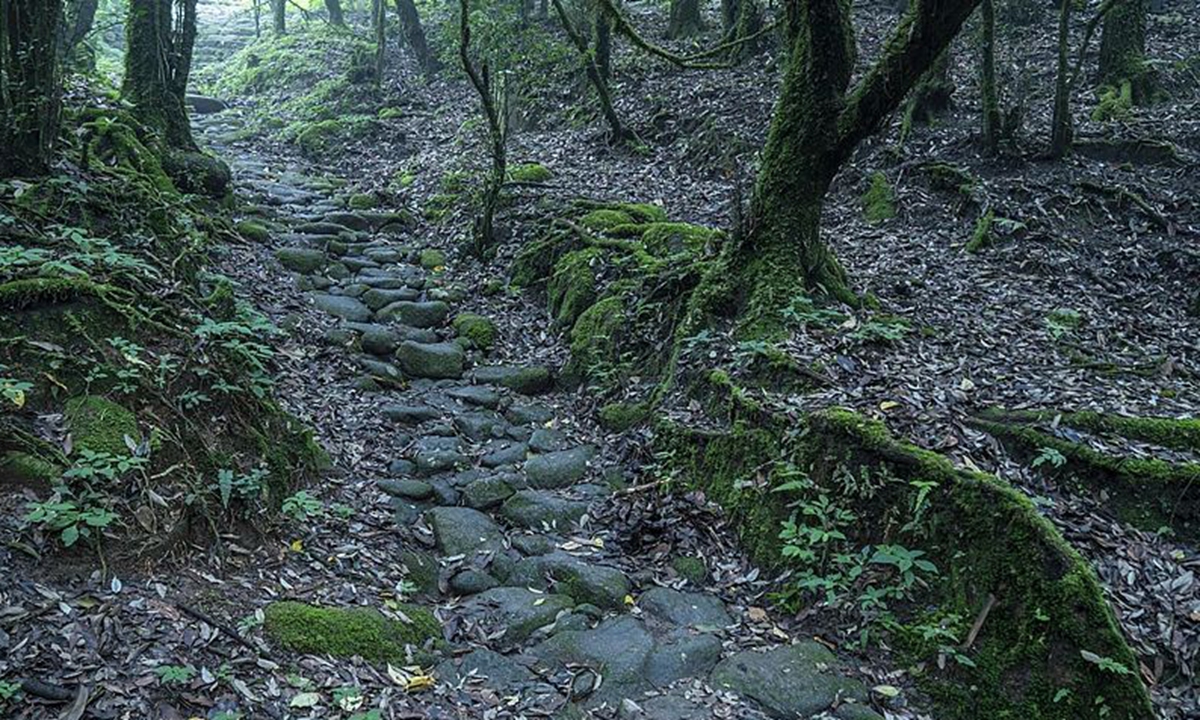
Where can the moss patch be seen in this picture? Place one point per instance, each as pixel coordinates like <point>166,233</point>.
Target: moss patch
<point>572,286</point>
<point>480,330</point>
<point>668,238</point>
<point>101,425</point>
<point>878,202</point>
<point>530,172</point>
<point>253,231</point>
<point>432,259</point>
<point>621,416</point>
<point>595,343</point>
<point>347,632</point>
<point>605,219</point>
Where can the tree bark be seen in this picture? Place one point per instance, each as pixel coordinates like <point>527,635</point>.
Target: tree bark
<point>1123,49</point>
<point>414,36</point>
<point>81,16</point>
<point>379,23</point>
<point>591,67</point>
<point>989,98</point>
<point>815,128</point>
<point>602,42</point>
<point>336,16</point>
<point>30,94</point>
<point>279,16</point>
<point>1061,127</point>
<point>158,61</point>
<point>493,98</point>
<point>685,20</point>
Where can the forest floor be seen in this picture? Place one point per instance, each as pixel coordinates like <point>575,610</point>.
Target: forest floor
<point>986,330</point>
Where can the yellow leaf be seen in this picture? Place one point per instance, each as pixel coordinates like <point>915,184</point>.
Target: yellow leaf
<point>888,405</point>
<point>419,682</point>
<point>18,398</point>
<point>539,601</point>
<point>629,600</point>
<point>297,546</point>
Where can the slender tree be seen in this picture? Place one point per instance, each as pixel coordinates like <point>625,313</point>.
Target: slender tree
<point>602,41</point>
<point>80,17</point>
<point>989,98</point>
<point>379,23</point>
<point>414,36</point>
<point>818,122</point>
<point>1061,125</point>
<point>685,20</point>
<point>160,36</point>
<point>592,68</point>
<point>279,16</point>
<point>336,16</point>
<point>30,102</point>
<point>494,99</point>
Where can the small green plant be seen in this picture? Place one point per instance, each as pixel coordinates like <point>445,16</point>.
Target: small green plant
<point>90,465</point>
<point>175,674</point>
<point>1063,321</point>
<point>251,621</point>
<point>878,202</point>
<point>1106,664</point>
<point>881,329</point>
<point>302,506</point>
<point>804,312</point>
<point>1049,456</point>
<point>243,486</point>
<point>13,390</point>
<point>9,690</point>
<point>70,518</point>
<point>1114,103</point>
<point>982,236</point>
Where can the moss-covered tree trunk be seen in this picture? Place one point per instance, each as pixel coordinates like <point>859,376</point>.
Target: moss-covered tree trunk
<point>602,41</point>
<point>1061,125</point>
<point>685,20</point>
<point>816,126</point>
<point>989,99</point>
<point>1123,49</point>
<point>160,36</point>
<point>279,16</point>
<point>80,17</point>
<point>414,36</point>
<point>379,24</point>
<point>30,104</point>
<point>336,16</point>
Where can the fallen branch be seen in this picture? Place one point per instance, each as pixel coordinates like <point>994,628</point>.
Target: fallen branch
<point>684,61</point>
<point>224,629</point>
<point>979,621</point>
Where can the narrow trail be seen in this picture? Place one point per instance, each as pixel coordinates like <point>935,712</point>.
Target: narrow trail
<point>485,504</point>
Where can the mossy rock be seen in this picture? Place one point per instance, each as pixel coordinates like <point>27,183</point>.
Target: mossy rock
<point>28,470</point>
<point>572,286</point>
<point>530,172</point>
<point>985,539</point>
<point>253,231</point>
<point>690,568</point>
<point>349,632</point>
<point>668,238</point>
<point>198,173</point>
<point>878,202</point>
<point>595,342</point>
<point>362,201</point>
<point>621,416</point>
<point>535,261</point>
<point>481,331</point>
<point>605,219</point>
<point>432,259</point>
<point>101,425</point>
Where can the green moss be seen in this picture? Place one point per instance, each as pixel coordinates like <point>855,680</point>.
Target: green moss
<point>438,206</point>
<point>643,212</point>
<point>690,568</point>
<point>348,632</point>
<point>481,331</point>
<point>595,343</point>
<point>621,416</point>
<point>101,425</point>
<point>530,172</point>
<point>28,469</point>
<point>1115,103</point>
<point>604,219</point>
<point>536,260</point>
<point>982,235</point>
<point>117,142</point>
<point>432,259</point>
<point>253,231</point>
<point>32,292</point>
<point>319,137</point>
<point>422,570</point>
<point>362,201</point>
<point>572,286</point>
<point>1174,433</point>
<point>667,238</point>
<point>949,178</point>
<point>878,202</point>
<point>985,538</point>
<point>391,113</point>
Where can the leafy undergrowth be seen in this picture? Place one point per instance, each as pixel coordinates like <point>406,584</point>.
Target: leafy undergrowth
<point>136,386</point>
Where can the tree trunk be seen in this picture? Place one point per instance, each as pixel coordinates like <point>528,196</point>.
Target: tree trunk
<point>30,102</point>
<point>1061,128</point>
<point>932,96</point>
<point>81,16</point>
<point>379,23</point>
<point>414,36</point>
<point>602,42</point>
<point>336,16</point>
<point>685,19</point>
<point>279,16</point>
<point>815,128</point>
<point>987,77</point>
<point>1123,50</point>
<point>158,61</point>
<point>591,67</point>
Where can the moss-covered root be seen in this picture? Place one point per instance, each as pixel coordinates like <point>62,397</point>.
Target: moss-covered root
<point>348,632</point>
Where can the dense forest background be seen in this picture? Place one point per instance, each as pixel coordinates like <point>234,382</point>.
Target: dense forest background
<point>589,358</point>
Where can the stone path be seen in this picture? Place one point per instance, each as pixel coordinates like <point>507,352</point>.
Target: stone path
<point>501,491</point>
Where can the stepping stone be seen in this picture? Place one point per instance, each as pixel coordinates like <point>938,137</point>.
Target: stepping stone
<point>409,489</point>
<point>545,440</point>
<point>380,341</point>
<point>585,581</point>
<point>417,314</point>
<point>344,307</point>
<point>378,298</point>
<point>476,395</point>
<point>438,454</point>
<point>431,360</point>
<point>358,263</point>
<point>472,582</point>
<point>534,544</point>
<point>301,260</point>
<point>480,425</point>
<point>486,492</point>
<point>617,648</point>
<point>321,228</point>
<point>519,611</point>
<point>384,371</point>
<point>353,221</point>
<point>528,414</point>
<point>558,469</point>
<point>699,611</point>
<point>501,453</point>
<point>401,468</point>
<point>527,380</point>
<point>685,657</point>
<point>463,531</point>
<point>411,414</point>
<point>535,509</point>
<point>792,681</point>
<point>496,671</point>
